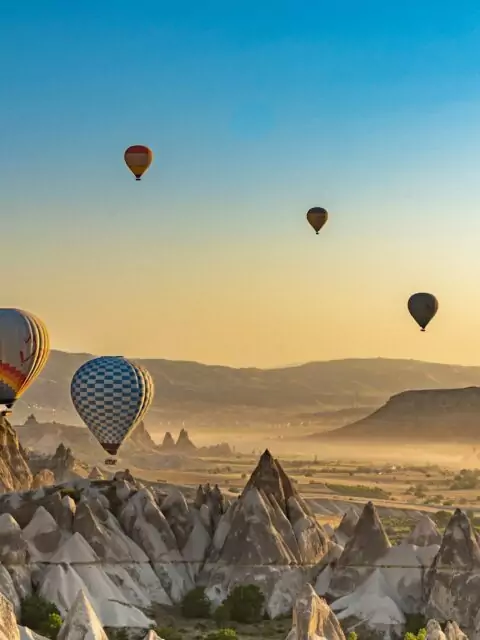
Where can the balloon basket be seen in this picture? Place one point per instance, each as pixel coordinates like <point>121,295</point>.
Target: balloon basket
<point>111,461</point>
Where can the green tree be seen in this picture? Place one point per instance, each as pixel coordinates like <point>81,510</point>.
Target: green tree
<point>245,604</point>
<point>41,616</point>
<point>195,604</point>
<point>352,636</point>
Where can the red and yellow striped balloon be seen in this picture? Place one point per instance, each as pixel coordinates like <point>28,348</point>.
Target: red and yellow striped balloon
<point>138,158</point>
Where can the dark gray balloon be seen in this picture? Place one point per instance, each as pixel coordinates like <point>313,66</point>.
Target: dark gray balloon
<point>422,308</point>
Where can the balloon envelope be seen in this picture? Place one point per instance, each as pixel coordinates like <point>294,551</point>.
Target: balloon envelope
<point>111,395</point>
<point>317,217</point>
<point>24,351</point>
<point>422,308</point>
<point>138,158</point>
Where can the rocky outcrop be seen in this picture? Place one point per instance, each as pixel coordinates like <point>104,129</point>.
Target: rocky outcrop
<point>313,619</point>
<point>61,466</point>
<point>268,536</point>
<point>425,533</point>
<point>368,544</point>
<point>453,631</point>
<point>214,500</point>
<point>15,474</point>
<point>139,440</point>
<point>453,581</point>
<point>8,621</point>
<point>44,478</point>
<point>168,443</point>
<point>184,444</point>
<point>347,525</point>
<point>96,474</point>
<point>82,622</point>
<point>371,607</point>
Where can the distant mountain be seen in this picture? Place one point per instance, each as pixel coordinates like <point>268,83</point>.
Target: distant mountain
<point>448,415</point>
<point>185,389</point>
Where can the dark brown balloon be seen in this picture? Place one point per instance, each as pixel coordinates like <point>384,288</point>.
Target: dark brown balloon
<point>317,217</point>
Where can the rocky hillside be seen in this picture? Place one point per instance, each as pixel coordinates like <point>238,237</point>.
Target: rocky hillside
<point>441,414</point>
<point>113,549</point>
<point>184,389</point>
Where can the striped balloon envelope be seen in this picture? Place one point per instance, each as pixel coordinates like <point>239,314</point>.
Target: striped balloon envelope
<point>138,158</point>
<point>24,351</point>
<point>111,395</point>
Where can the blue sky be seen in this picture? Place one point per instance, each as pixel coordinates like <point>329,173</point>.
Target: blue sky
<point>255,112</point>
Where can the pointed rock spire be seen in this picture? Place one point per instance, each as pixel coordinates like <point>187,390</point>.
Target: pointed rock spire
<point>82,622</point>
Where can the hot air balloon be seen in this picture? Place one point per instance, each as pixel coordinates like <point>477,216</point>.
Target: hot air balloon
<point>317,217</point>
<point>422,308</point>
<point>24,351</point>
<point>111,395</point>
<point>138,158</point>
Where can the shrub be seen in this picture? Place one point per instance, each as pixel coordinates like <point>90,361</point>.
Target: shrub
<point>421,635</point>
<point>195,604</point>
<point>41,616</point>
<point>414,624</point>
<point>222,634</point>
<point>221,615</point>
<point>352,636</point>
<point>118,634</point>
<point>245,604</point>
<point>167,633</point>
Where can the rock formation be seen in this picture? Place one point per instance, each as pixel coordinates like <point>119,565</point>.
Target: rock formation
<point>313,619</point>
<point>82,622</point>
<point>129,548</point>
<point>15,474</point>
<point>347,525</point>
<point>453,581</point>
<point>425,533</point>
<point>368,544</point>
<point>139,440</point>
<point>43,478</point>
<point>184,444</point>
<point>96,474</point>
<point>214,500</point>
<point>168,443</point>
<point>8,621</point>
<point>268,536</point>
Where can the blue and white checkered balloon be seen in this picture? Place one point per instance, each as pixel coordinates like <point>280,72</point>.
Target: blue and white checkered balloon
<point>111,395</point>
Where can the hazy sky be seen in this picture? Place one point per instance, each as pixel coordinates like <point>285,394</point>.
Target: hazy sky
<point>256,111</point>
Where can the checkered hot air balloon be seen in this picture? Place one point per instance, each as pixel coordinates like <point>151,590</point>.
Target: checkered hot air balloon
<point>24,351</point>
<point>138,158</point>
<point>111,395</point>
